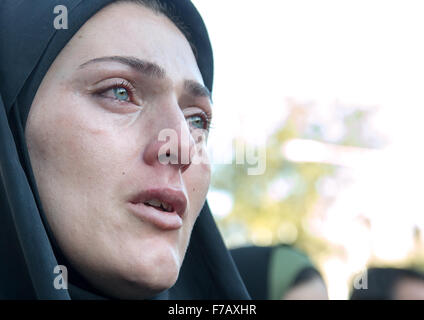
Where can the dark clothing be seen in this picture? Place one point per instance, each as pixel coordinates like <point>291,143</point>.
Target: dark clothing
<point>269,272</point>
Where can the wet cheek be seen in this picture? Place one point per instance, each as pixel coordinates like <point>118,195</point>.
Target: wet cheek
<point>206,173</point>
<point>66,143</point>
<point>69,139</point>
<point>198,185</point>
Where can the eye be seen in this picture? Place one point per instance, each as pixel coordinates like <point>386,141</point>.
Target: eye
<point>122,91</point>
<point>198,121</point>
<point>121,94</point>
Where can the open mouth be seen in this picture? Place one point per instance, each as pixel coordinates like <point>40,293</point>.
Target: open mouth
<point>160,205</point>
<point>163,199</point>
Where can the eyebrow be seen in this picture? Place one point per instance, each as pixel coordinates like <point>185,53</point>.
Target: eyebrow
<point>151,69</point>
<point>148,68</point>
<point>197,90</point>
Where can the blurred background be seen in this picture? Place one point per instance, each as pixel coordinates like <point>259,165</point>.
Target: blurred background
<point>332,91</point>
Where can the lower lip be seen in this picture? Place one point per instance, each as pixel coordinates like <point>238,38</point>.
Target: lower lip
<point>161,219</point>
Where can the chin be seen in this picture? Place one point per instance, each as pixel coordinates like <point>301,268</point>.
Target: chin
<point>147,275</point>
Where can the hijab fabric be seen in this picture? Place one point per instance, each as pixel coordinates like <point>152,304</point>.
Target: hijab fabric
<point>29,43</point>
<point>268,272</point>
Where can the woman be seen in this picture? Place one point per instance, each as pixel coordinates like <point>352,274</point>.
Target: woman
<point>389,283</point>
<point>279,273</point>
<point>100,125</point>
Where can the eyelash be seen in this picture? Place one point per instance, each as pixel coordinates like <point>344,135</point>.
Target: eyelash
<point>207,117</point>
<point>122,84</point>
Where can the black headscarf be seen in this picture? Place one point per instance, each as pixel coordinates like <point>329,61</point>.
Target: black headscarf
<point>269,272</point>
<point>29,43</point>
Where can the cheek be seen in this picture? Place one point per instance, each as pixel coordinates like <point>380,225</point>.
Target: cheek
<point>197,183</point>
<point>74,150</point>
<point>196,180</point>
<point>70,135</point>
<point>80,156</point>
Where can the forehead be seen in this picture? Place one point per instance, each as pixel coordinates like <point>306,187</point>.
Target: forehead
<point>128,29</point>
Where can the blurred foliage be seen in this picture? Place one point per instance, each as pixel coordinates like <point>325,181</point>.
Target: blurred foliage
<point>275,207</point>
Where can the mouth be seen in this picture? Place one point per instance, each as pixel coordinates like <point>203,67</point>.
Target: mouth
<point>163,207</point>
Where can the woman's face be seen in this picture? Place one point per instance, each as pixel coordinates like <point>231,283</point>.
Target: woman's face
<point>122,215</point>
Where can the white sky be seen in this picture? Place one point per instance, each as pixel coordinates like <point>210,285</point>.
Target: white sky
<point>364,52</point>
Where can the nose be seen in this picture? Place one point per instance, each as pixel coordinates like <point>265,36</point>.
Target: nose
<point>172,144</point>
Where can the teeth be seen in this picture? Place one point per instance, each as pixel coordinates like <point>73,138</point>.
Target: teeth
<point>158,204</point>
<point>154,203</point>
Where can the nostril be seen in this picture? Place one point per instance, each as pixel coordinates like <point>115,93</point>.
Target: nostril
<point>168,153</point>
<point>168,158</point>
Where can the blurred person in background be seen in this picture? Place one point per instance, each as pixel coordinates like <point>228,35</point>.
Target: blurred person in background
<point>279,273</point>
<point>390,284</point>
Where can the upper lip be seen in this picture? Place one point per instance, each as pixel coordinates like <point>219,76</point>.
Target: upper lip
<point>174,197</point>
